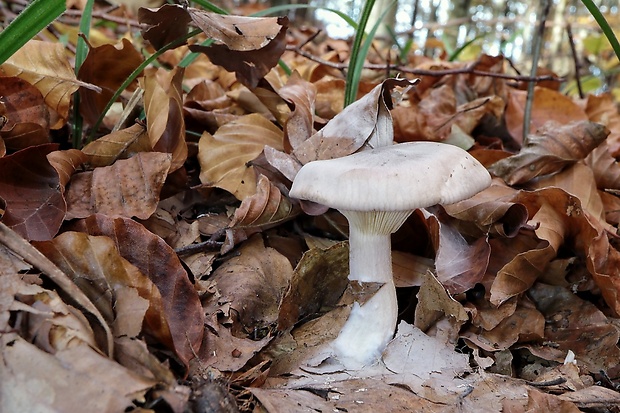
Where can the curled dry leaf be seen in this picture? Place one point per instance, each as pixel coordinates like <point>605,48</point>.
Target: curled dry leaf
<point>602,108</point>
<point>108,67</point>
<point>248,46</point>
<point>552,148</point>
<point>163,104</point>
<point>121,144</point>
<point>264,209</point>
<point>66,163</point>
<point>492,210</point>
<point>225,157</point>
<point>605,167</point>
<point>155,259</point>
<point>45,65</point>
<point>128,188</point>
<point>95,265</point>
<point>366,122</point>
<point>30,187</point>
<point>300,123</point>
<point>27,116</point>
<point>252,284</point>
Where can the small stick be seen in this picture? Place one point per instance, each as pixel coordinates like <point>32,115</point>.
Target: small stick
<point>538,41</point>
<point>571,41</point>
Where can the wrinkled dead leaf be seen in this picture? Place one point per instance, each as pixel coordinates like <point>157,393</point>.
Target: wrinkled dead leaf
<point>127,188</point>
<point>552,148</point>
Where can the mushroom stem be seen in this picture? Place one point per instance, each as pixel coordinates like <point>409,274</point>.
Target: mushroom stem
<point>370,325</point>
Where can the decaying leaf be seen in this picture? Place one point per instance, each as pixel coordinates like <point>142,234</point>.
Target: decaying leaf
<point>106,66</point>
<point>108,279</point>
<point>27,116</point>
<point>552,148</point>
<point>127,188</point>
<point>548,105</point>
<point>121,144</point>
<point>248,46</point>
<point>164,115</point>
<point>30,187</point>
<point>155,259</point>
<point>225,157</point>
<point>266,208</point>
<point>45,65</point>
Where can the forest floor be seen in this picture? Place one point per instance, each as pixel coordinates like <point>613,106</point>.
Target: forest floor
<point>158,263</point>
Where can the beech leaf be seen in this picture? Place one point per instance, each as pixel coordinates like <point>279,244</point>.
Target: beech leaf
<point>128,188</point>
<point>552,148</point>
<point>155,259</point>
<point>45,65</point>
<point>225,156</point>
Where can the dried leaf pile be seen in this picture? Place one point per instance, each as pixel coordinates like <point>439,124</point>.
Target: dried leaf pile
<point>163,266</point>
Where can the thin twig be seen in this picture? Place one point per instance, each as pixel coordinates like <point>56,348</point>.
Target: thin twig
<point>573,50</point>
<point>423,72</point>
<point>554,382</point>
<point>538,41</point>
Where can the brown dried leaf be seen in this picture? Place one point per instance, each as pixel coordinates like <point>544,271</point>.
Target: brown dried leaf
<point>106,66</point>
<point>577,325</point>
<point>94,264</point>
<point>27,115</point>
<point>252,284</point>
<point>38,381</point>
<point>434,303</point>
<point>552,148</point>
<point>548,106</point>
<point>318,281</point>
<point>45,65</point>
<point>250,46</point>
<point>66,163</point>
<point>155,259</point>
<point>127,188</point>
<point>605,167</point>
<point>30,187</point>
<point>492,210</point>
<point>224,157</point>
<point>163,104</point>
<point>264,209</point>
<point>300,123</point>
<point>366,122</point>
<point>166,24</point>
<point>121,144</point>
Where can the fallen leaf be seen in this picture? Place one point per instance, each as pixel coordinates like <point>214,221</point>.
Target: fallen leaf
<point>45,65</point>
<point>225,157</point>
<point>266,208</point>
<point>122,144</point>
<point>106,66</point>
<point>552,148</point>
<point>30,186</point>
<point>163,104</point>
<point>135,191</point>
<point>27,116</point>
<point>548,105</point>
<point>155,259</point>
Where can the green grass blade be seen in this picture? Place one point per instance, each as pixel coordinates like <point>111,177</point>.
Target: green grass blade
<point>34,18</point>
<point>359,52</point>
<point>355,68</point>
<point>81,50</point>
<point>604,25</point>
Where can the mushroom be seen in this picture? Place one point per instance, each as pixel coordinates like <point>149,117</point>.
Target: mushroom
<point>376,190</point>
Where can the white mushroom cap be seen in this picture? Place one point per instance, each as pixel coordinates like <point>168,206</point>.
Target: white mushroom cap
<point>400,177</point>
